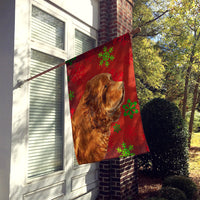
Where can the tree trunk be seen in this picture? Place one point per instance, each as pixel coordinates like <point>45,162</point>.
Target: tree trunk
<point>185,91</point>
<point>188,74</point>
<point>198,99</point>
<point>193,109</point>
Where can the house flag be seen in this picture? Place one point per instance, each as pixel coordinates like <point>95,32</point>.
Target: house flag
<point>105,113</point>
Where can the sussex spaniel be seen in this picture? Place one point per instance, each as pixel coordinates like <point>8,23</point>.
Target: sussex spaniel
<point>98,108</point>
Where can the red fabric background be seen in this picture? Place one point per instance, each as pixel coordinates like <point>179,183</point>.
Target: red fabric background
<point>86,66</point>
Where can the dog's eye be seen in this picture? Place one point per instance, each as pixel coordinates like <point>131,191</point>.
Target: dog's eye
<point>105,86</point>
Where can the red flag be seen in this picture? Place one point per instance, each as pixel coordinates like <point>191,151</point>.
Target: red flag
<point>105,113</point>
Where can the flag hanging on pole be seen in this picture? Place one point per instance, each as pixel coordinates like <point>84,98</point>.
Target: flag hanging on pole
<point>105,113</point>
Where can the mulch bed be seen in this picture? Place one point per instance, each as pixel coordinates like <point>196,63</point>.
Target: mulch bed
<point>149,186</point>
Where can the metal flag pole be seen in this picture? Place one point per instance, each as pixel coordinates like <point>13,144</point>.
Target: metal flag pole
<point>20,83</point>
<point>133,33</point>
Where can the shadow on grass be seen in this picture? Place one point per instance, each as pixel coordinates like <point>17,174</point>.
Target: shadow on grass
<point>195,149</point>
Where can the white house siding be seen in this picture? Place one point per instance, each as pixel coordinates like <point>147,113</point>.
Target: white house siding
<point>73,182</point>
<point>6,78</point>
<point>86,10</point>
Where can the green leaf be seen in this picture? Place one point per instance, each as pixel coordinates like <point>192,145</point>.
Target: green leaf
<point>136,111</point>
<point>131,147</point>
<point>119,150</point>
<point>112,58</point>
<point>129,101</point>
<point>125,114</point>
<point>104,48</point>
<point>124,144</point>
<point>111,50</point>
<point>101,62</point>
<point>106,63</point>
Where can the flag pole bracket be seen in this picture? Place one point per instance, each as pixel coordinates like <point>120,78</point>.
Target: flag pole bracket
<point>19,84</point>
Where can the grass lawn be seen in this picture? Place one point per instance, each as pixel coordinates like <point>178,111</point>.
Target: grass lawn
<point>194,160</point>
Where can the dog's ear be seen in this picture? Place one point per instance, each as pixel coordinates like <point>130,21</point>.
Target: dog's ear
<point>92,99</point>
<point>88,93</point>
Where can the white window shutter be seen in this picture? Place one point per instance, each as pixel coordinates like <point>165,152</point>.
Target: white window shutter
<point>45,141</point>
<point>45,134</point>
<point>47,29</point>
<point>83,43</point>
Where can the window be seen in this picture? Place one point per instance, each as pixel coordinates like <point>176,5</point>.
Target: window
<point>45,139</point>
<point>47,29</point>
<point>83,43</point>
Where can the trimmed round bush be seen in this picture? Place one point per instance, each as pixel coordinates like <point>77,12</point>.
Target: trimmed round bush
<point>167,138</point>
<point>171,193</point>
<point>183,183</point>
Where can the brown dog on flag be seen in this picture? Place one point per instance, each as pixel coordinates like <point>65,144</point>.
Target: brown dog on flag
<point>98,108</point>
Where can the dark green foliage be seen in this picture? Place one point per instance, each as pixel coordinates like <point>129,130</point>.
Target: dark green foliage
<point>167,138</point>
<point>144,162</point>
<point>171,193</point>
<point>183,183</point>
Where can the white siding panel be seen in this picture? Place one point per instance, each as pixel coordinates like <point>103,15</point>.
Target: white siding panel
<point>47,193</point>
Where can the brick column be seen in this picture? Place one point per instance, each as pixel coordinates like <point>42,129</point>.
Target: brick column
<point>117,177</point>
<point>115,19</point>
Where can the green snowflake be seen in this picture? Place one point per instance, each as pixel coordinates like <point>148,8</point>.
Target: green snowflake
<point>69,62</point>
<point>117,128</point>
<point>71,95</point>
<point>106,56</point>
<point>130,108</point>
<point>125,152</point>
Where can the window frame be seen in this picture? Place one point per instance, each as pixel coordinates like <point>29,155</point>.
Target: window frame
<point>70,25</point>
<point>51,51</point>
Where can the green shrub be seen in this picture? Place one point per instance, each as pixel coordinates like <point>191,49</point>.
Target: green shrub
<point>167,138</point>
<point>171,193</point>
<point>183,183</point>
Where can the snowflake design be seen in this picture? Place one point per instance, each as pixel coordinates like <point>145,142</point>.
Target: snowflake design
<point>106,56</point>
<point>130,108</point>
<point>69,62</point>
<point>125,151</point>
<point>71,95</point>
<point>117,128</point>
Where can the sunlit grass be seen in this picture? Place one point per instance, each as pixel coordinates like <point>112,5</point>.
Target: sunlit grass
<point>195,141</point>
<point>194,160</point>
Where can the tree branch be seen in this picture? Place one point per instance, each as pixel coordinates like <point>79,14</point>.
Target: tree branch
<point>149,87</point>
<point>150,21</point>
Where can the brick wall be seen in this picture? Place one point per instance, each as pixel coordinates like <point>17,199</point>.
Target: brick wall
<point>117,177</point>
<point>115,19</point>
